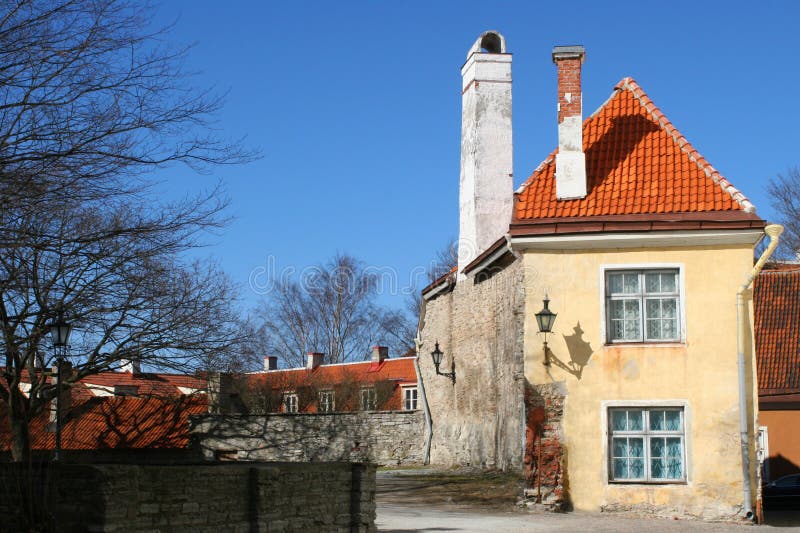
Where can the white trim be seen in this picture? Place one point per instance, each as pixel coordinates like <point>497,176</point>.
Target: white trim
<point>637,240</point>
<point>488,261</point>
<point>446,284</point>
<point>605,405</point>
<point>680,267</point>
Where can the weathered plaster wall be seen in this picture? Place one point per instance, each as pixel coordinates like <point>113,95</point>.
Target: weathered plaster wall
<point>330,497</point>
<point>478,420</point>
<point>386,438</point>
<point>702,372</point>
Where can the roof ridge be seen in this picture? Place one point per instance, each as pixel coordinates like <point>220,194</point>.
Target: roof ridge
<point>629,84</point>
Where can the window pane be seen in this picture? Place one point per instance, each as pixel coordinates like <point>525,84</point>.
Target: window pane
<point>652,282</point>
<point>636,447</point>
<point>617,309</point>
<point>674,468</point>
<point>635,420</point>
<point>652,308</point>
<point>620,447</point>
<point>630,283</point>
<point>669,308</point>
<point>657,468</point>
<point>657,420</point>
<point>669,282</point>
<point>618,420</point>
<point>615,283</point>
<point>654,329</point>
<point>636,468</point>
<point>673,420</point>
<point>632,310</point>
<point>620,469</point>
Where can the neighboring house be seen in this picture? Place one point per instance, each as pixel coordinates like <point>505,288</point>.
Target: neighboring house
<point>380,384</point>
<point>114,416</point>
<point>370,410</point>
<point>777,338</point>
<point>641,246</point>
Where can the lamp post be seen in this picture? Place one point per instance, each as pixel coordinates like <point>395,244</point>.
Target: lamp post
<point>545,320</point>
<point>437,354</point>
<point>59,333</point>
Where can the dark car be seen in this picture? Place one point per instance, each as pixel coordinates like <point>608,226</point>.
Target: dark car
<point>783,493</point>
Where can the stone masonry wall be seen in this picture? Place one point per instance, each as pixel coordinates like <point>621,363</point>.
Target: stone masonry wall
<point>328,497</point>
<point>544,470</point>
<point>478,420</point>
<point>387,438</point>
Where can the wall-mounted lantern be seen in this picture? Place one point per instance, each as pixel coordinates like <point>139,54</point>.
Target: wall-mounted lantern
<point>437,354</point>
<point>545,320</point>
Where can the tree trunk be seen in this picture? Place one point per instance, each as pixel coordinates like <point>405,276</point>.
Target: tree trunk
<point>20,438</point>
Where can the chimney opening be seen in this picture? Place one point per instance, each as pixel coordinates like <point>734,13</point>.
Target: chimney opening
<point>490,43</point>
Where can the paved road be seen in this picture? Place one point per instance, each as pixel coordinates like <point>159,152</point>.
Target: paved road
<point>409,501</point>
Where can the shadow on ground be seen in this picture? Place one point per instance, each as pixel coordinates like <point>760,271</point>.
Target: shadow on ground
<point>782,518</point>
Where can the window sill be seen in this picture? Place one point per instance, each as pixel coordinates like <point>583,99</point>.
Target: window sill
<point>682,482</point>
<point>670,344</point>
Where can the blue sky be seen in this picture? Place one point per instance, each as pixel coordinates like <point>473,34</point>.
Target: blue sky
<point>356,108</point>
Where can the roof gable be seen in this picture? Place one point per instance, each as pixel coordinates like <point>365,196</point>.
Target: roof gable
<point>637,163</point>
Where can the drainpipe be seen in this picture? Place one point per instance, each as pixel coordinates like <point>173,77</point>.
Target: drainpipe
<point>773,231</point>
<point>421,386</point>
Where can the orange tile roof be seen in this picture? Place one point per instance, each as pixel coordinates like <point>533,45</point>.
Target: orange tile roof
<point>400,371</point>
<point>115,422</point>
<point>637,163</point>
<point>776,299</point>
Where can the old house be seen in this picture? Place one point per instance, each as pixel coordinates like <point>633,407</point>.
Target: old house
<point>368,410</point>
<point>777,339</point>
<point>642,396</point>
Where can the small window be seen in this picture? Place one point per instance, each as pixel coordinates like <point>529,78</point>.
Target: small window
<point>643,306</point>
<point>126,390</point>
<point>410,399</point>
<point>369,399</point>
<point>646,445</point>
<point>326,404</point>
<point>290,403</point>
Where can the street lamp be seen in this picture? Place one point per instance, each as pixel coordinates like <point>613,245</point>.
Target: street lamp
<point>59,333</point>
<point>545,320</point>
<point>437,354</point>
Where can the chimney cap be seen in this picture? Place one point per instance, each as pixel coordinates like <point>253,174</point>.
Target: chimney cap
<point>569,52</point>
<point>489,42</point>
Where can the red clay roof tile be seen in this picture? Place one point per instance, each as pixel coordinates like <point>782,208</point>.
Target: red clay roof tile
<point>776,300</point>
<point>636,163</point>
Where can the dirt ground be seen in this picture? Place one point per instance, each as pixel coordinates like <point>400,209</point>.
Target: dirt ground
<point>470,500</point>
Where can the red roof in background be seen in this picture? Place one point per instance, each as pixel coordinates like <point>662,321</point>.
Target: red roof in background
<point>776,300</point>
<point>121,422</point>
<point>637,163</point>
<point>400,370</point>
<point>147,383</point>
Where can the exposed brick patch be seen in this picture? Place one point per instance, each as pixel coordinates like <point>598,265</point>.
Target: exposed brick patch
<point>544,454</point>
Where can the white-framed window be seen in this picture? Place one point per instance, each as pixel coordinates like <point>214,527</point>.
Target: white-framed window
<point>369,399</point>
<point>409,398</point>
<point>290,403</point>
<point>643,305</point>
<point>326,401</point>
<point>647,444</point>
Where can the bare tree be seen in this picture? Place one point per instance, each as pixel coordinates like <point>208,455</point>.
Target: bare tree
<point>445,260</point>
<point>90,100</point>
<point>331,310</point>
<point>784,193</point>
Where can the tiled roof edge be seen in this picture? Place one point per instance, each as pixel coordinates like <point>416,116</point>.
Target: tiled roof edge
<point>630,84</point>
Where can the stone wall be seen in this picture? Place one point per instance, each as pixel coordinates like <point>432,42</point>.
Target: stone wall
<point>387,438</point>
<point>200,498</point>
<point>478,420</point>
<point>545,474</point>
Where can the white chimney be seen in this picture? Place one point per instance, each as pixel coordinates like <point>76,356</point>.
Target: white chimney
<point>132,366</point>
<point>379,354</point>
<point>314,359</point>
<point>570,159</point>
<point>271,362</point>
<point>487,157</point>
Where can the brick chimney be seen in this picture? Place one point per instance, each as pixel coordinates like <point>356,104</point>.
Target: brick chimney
<point>271,362</point>
<point>570,160</point>
<point>379,354</point>
<point>487,156</point>
<point>314,359</point>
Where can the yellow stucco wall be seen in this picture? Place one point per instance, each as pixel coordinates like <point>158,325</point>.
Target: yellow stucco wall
<point>702,372</point>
